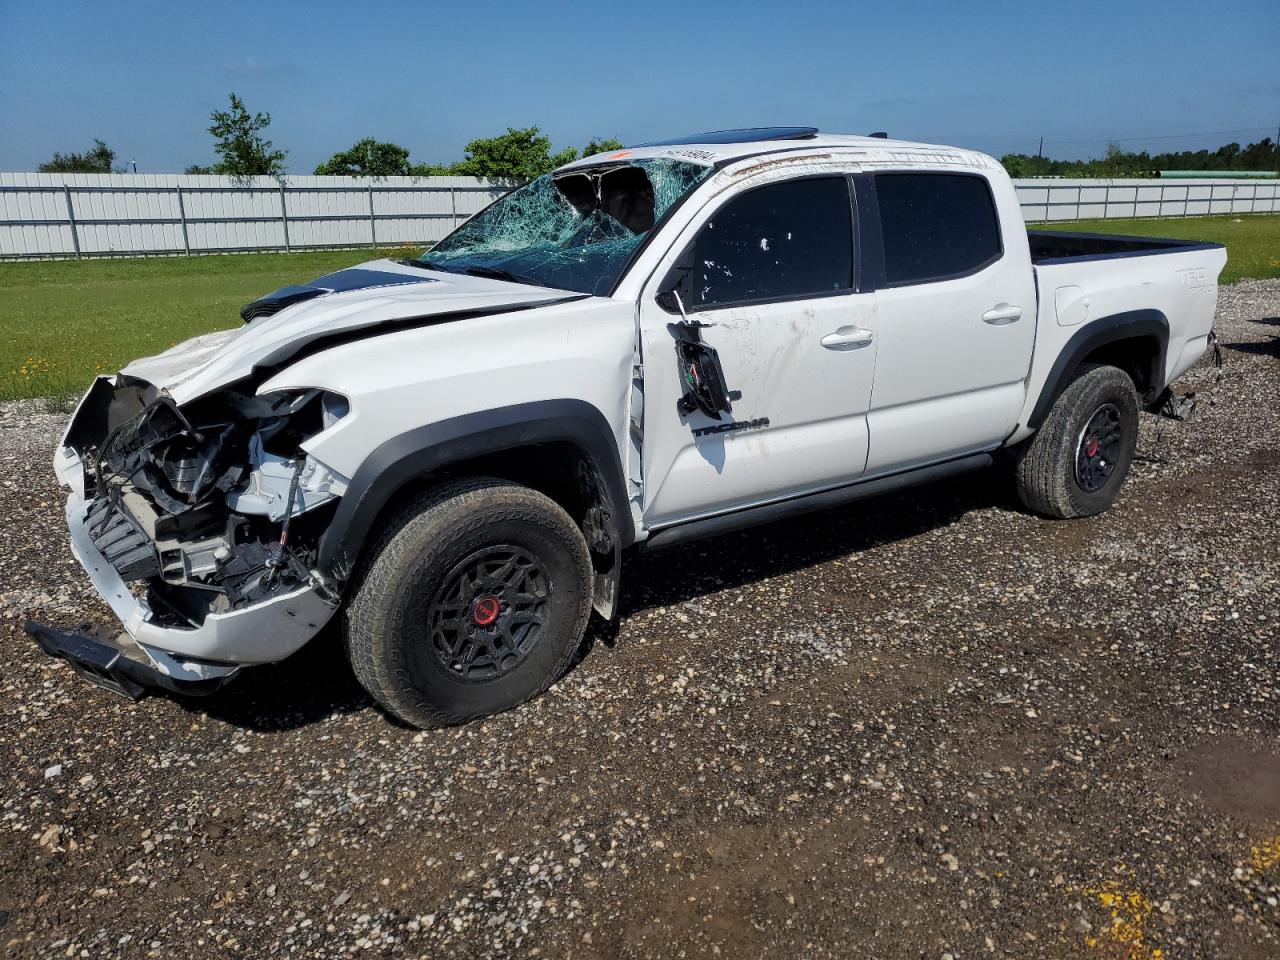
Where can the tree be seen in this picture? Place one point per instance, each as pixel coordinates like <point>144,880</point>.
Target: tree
<point>1019,165</point>
<point>595,145</point>
<point>515,155</point>
<point>244,152</point>
<point>432,170</point>
<point>97,160</point>
<point>368,158</point>
<point>518,154</point>
<point>198,168</point>
<point>1262,155</point>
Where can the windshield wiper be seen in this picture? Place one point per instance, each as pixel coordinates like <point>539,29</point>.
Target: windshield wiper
<point>425,265</point>
<point>497,273</point>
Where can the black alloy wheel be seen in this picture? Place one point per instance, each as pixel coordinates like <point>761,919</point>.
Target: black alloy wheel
<point>1098,448</point>
<point>490,611</point>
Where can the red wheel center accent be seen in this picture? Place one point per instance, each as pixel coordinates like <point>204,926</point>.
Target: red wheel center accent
<point>485,610</point>
<point>1091,448</point>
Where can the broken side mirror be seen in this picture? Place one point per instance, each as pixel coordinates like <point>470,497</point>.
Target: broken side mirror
<point>701,376</point>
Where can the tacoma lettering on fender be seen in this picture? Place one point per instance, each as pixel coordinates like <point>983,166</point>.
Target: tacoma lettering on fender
<point>452,455</point>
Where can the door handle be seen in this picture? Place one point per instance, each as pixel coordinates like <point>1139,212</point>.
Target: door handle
<point>1001,314</point>
<point>847,338</point>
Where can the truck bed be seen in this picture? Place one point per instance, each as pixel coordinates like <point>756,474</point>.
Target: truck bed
<point>1060,246</point>
<point>1083,278</point>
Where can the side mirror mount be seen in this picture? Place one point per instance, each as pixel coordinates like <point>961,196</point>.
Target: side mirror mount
<point>674,288</point>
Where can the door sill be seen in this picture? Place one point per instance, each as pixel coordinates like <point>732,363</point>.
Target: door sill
<point>809,502</point>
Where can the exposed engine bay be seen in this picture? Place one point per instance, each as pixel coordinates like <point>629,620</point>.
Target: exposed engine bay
<point>209,508</point>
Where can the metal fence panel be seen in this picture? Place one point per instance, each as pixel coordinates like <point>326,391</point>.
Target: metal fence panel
<point>1053,199</point>
<point>94,214</point>
<point>65,215</point>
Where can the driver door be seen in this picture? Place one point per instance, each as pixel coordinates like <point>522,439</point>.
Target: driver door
<point>765,277</point>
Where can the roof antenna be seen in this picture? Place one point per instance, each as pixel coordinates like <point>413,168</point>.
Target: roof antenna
<point>879,135</point>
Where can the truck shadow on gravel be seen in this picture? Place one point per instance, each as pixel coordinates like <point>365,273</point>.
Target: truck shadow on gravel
<point>1261,348</point>
<point>317,682</point>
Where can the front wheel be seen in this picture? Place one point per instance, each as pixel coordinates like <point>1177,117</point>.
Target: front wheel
<point>1076,463</point>
<point>474,600</point>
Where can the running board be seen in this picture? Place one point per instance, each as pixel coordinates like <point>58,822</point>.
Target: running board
<point>782,509</point>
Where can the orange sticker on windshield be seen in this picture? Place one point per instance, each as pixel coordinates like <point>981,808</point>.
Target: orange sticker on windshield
<point>620,154</point>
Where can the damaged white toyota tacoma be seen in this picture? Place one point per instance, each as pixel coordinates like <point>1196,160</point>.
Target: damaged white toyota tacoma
<point>453,454</point>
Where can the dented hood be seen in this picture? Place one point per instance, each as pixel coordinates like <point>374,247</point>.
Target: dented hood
<point>381,293</point>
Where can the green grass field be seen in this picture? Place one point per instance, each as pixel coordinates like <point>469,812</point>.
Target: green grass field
<point>63,321</point>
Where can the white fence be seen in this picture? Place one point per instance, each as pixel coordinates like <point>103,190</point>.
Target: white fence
<point>95,215</point>
<point>1061,199</point>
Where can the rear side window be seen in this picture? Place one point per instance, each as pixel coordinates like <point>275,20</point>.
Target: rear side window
<point>936,225</point>
<point>786,240</point>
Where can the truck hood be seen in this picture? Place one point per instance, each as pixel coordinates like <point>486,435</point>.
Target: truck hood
<point>381,293</point>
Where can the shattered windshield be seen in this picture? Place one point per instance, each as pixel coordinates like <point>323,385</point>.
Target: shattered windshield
<point>573,229</point>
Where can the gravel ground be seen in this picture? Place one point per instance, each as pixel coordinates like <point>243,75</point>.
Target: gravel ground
<point>927,726</point>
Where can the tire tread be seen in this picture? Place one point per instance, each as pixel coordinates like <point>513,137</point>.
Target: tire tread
<point>453,509</point>
<point>1046,461</point>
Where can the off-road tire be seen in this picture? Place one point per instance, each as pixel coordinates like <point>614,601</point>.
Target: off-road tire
<point>1048,479</point>
<point>388,637</point>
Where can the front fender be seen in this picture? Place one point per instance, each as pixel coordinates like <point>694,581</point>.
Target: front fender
<point>431,448</point>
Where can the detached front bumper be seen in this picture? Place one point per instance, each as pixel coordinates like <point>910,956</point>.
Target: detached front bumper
<point>114,663</point>
<point>262,633</point>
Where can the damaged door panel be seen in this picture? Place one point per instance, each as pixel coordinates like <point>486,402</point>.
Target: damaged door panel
<point>764,407</point>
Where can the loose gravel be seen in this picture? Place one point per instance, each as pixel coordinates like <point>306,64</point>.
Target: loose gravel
<point>930,725</point>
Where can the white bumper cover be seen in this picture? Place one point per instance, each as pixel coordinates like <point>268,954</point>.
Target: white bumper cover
<point>263,633</point>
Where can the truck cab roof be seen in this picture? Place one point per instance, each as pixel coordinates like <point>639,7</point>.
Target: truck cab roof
<point>722,147</point>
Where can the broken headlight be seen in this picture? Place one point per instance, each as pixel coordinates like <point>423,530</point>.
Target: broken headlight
<point>215,504</point>
<point>283,480</point>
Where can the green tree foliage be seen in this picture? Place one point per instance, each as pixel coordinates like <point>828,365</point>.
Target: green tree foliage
<point>197,168</point>
<point>368,158</point>
<point>597,145</point>
<point>242,149</point>
<point>515,155</point>
<point>97,160</point>
<point>1262,155</point>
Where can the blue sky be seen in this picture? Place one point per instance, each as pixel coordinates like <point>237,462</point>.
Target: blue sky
<point>144,76</point>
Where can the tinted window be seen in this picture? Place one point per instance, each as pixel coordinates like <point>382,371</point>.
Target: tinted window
<point>935,225</point>
<point>789,239</point>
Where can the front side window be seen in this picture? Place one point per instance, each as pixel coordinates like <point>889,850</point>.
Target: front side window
<point>572,229</point>
<point>785,240</point>
<point>935,225</point>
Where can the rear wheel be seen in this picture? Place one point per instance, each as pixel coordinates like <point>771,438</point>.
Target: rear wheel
<point>474,600</point>
<point>1076,463</point>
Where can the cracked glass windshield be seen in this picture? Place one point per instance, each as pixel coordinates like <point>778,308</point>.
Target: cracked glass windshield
<point>573,229</point>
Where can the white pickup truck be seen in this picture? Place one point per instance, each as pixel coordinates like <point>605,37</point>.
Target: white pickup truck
<point>655,344</point>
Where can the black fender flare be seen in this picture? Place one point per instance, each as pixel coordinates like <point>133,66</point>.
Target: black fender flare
<point>428,449</point>
<point>1130,325</point>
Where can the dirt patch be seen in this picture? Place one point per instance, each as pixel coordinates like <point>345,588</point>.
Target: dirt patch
<point>1235,778</point>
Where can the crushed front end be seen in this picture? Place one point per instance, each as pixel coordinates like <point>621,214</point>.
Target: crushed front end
<point>199,526</point>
